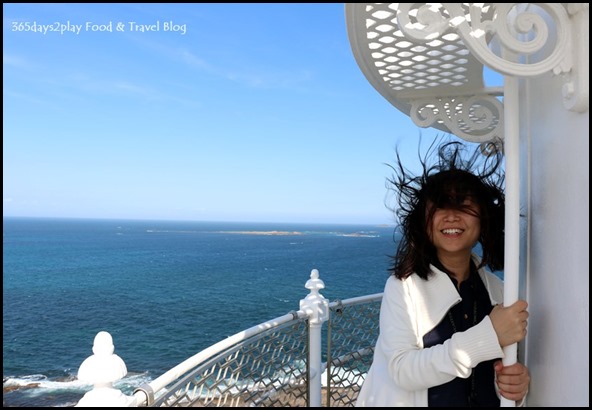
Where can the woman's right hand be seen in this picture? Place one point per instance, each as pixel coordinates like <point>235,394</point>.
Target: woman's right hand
<point>510,322</point>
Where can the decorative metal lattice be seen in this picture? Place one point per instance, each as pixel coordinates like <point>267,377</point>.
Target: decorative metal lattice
<point>266,370</point>
<point>271,367</point>
<point>352,334</point>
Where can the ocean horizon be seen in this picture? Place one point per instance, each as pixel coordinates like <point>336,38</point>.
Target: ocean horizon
<point>164,290</point>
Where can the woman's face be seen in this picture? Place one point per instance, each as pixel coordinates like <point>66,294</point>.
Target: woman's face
<point>454,232</point>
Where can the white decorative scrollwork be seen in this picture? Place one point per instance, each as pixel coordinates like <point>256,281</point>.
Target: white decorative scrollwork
<point>513,39</point>
<point>520,30</point>
<point>476,119</point>
<point>426,58</point>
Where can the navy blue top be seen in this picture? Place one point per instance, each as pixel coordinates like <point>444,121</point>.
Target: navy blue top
<point>478,389</point>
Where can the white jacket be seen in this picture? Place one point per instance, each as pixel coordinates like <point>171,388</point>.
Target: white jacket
<point>402,370</point>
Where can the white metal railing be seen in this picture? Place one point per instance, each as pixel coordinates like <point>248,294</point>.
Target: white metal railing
<point>276,363</point>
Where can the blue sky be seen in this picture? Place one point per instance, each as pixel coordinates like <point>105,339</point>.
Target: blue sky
<point>258,112</point>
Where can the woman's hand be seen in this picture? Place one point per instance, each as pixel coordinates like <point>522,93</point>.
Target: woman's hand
<point>510,322</point>
<point>512,381</point>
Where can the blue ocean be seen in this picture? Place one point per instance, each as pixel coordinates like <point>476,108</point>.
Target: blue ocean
<point>164,290</point>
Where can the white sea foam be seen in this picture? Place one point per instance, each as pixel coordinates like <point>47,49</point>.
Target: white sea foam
<point>38,384</point>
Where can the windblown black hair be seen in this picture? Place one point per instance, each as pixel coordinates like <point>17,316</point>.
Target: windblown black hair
<point>451,173</point>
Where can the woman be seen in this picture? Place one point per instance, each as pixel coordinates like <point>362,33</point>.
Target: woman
<point>442,325</point>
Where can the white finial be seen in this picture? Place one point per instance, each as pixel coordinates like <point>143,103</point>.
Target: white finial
<point>314,303</point>
<point>314,284</point>
<point>103,366</point>
<point>103,344</point>
<point>101,370</point>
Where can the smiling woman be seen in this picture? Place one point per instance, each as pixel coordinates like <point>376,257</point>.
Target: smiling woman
<point>454,230</point>
<point>442,330</point>
<point>451,175</point>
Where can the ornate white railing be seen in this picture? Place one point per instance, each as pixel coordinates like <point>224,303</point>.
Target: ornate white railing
<point>281,362</point>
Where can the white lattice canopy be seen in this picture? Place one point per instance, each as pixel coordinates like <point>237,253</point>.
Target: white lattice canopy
<point>428,59</point>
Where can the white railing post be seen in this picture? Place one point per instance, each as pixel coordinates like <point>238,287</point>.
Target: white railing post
<point>102,369</point>
<point>317,308</point>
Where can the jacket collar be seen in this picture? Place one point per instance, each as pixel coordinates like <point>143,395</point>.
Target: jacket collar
<point>434,297</point>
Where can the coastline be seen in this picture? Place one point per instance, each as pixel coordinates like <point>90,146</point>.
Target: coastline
<point>261,232</point>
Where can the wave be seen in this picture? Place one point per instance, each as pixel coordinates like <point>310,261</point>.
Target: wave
<point>39,384</point>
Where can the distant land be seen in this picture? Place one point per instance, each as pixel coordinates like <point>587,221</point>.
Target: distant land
<point>262,232</point>
<point>287,233</point>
